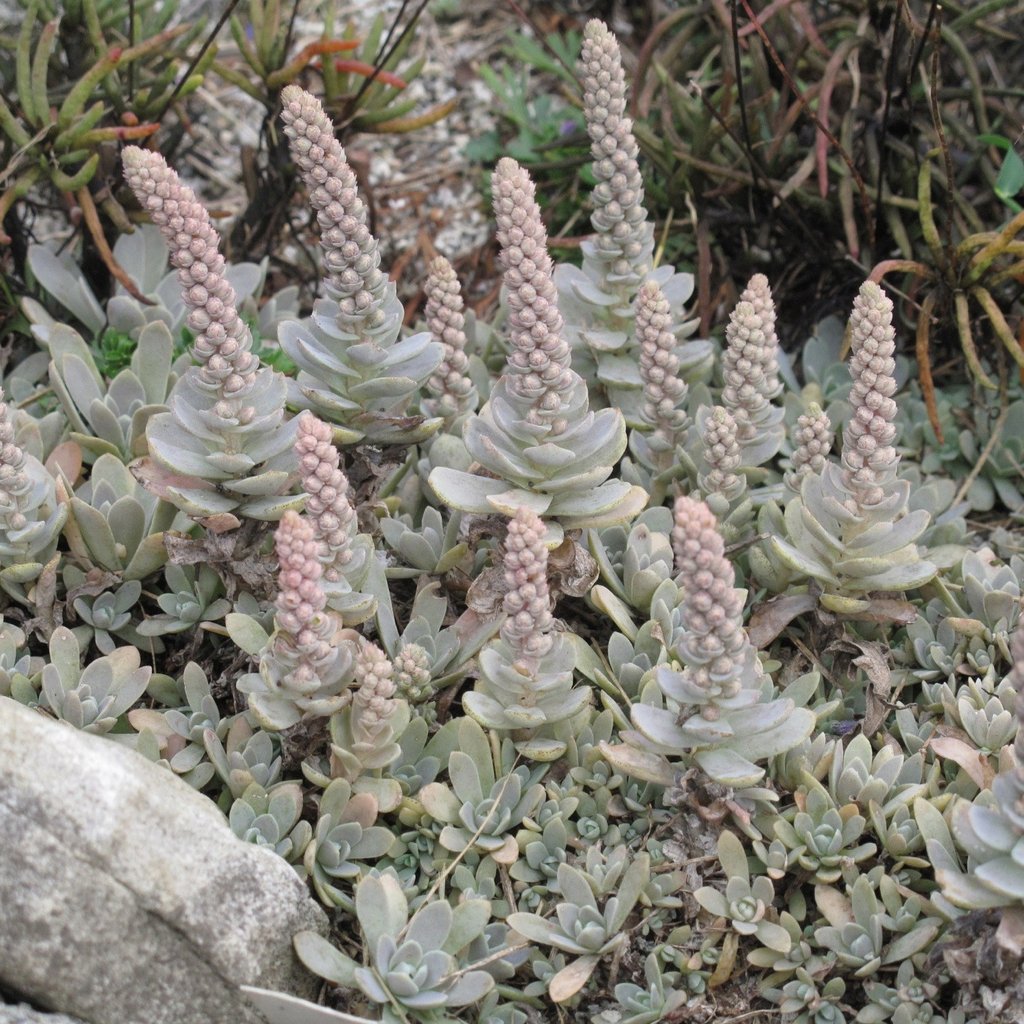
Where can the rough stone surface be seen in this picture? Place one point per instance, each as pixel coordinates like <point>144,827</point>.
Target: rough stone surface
<point>125,897</point>
<point>25,1014</point>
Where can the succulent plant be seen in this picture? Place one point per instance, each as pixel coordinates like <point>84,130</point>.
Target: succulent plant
<point>653,1003</point>
<point>345,833</point>
<point>850,529</point>
<point>804,1003</point>
<point>119,324</point>
<point>859,775</point>
<point>480,809</point>
<point>413,964</point>
<point>1000,474</point>
<point>181,732</point>
<point>272,819</point>
<point>192,596</point>
<point>305,668</point>
<point>795,795</point>
<point>115,524</point>
<point>454,393</point>
<point>95,697</point>
<point>57,127</point>
<point>747,907</point>
<point>750,370</point>
<point>224,446</point>
<point>634,562</point>
<point>535,434</point>
<point>909,1000</point>
<point>111,417</point>
<point>106,613</point>
<point>597,300</point>
<point>717,711</point>
<point>30,516</point>
<point>525,684</point>
<point>17,666</point>
<point>970,629</point>
<point>345,554</point>
<point>241,756</point>
<point>812,442</point>
<point>657,443</point>
<point>856,932</point>
<point>353,369</point>
<point>581,926</point>
<point>724,489</point>
<point>364,735</point>
<point>991,831</point>
<point>431,546</point>
<point>823,838</point>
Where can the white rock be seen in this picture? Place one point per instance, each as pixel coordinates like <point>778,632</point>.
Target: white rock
<point>126,898</point>
<point>25,1014</point>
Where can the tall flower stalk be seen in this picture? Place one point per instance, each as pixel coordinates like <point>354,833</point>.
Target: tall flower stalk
<point>304,671</point>
<point>751,370</point>
<point>344,554</point>
<point>454,393</point>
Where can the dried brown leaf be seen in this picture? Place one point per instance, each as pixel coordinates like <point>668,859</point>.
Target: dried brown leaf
<point>769,619</point>
<point>572,569</point>
<point>876,667</point>
<point>726,960</point>
<point>973,761</point>
<point>1010,933</point>
<point>159,481</point>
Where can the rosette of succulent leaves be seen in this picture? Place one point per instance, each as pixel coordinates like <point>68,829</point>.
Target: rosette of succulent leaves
<point>850,529</point>
<point>31,518</point>
<point>535,436</point>
<point>990,830</point>
<point>224,446</point>
<point>417,967</point>
<point>598,300</point>
<point>354,370</point>
<point>114,328</point>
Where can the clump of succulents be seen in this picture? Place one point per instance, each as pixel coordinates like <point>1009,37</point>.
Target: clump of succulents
<point>116,328</point>
<point>678,791</point>
<point>991,831</point>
